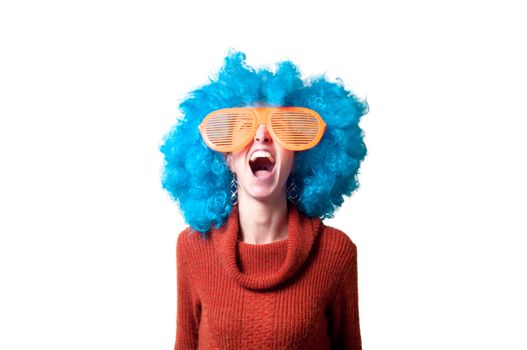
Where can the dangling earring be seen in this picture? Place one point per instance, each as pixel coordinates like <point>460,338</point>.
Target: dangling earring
<point>234,190</point>
<point>293,192</point>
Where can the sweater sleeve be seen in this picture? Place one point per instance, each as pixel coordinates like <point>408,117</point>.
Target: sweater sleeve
<point>344,328</point>
<point>188,304</point>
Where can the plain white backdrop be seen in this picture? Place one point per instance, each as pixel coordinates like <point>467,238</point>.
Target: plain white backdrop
<point>88,89</point>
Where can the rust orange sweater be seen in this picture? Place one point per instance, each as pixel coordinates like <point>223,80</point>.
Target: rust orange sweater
<point>297,293</point>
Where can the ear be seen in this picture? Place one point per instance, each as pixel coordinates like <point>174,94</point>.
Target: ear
<point>228,159</point>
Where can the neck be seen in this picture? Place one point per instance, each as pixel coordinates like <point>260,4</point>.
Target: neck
<point>262,222</point>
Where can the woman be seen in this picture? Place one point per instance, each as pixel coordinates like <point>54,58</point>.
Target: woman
<point>257,268</point>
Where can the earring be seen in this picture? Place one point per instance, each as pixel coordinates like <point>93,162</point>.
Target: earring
<point>293,192</point>
<point>234,191</point>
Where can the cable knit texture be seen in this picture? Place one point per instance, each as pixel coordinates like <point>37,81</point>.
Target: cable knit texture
<point>297,293</point>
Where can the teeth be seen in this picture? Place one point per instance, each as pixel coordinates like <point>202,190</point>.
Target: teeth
<point>262,154</point>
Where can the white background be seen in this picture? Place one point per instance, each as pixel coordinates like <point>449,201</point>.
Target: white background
<point>88,88</point>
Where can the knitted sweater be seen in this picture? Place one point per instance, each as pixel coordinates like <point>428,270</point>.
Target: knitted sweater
<point>297,293</point>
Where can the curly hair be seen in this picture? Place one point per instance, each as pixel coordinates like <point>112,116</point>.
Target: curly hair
<point>198,178</point>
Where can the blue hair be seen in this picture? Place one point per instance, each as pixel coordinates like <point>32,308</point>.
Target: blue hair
<point>198,178</point>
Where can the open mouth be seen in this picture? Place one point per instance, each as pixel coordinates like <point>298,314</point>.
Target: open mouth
<point>262,163</point>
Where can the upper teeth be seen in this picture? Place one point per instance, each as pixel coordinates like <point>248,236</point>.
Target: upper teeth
<point>262,154</point>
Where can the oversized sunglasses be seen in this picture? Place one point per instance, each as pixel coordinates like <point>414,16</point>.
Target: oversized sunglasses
<point>231,129</point>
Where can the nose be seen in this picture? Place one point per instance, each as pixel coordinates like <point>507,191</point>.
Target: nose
<point>262,135</point>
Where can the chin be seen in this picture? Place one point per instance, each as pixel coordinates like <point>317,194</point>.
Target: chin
<point>262,192</point>
<point>264,195</point>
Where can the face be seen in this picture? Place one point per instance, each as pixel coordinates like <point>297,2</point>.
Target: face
<point>262,167</point>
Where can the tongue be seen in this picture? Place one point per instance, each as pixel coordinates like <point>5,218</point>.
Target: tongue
<point>260,173</point>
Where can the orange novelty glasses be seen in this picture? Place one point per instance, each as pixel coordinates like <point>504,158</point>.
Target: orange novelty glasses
<point>231,129</point>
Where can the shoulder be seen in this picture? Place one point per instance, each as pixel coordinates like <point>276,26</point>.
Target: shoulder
<point>337,238</point>
<point>183,237</point>
<point>190,240</point>
<point>338,244</point>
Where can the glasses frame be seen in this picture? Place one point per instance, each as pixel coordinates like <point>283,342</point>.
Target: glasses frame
<point>261,117</point>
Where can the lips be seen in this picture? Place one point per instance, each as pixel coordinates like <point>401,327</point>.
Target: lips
<point>262,162</point>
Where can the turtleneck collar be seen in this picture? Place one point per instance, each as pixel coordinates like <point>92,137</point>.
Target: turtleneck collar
<point>301,233</point>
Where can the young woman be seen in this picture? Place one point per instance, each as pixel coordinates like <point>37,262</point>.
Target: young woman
<point>258,159</point>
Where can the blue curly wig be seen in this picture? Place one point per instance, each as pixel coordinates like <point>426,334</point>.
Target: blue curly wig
<point>198,178</point>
